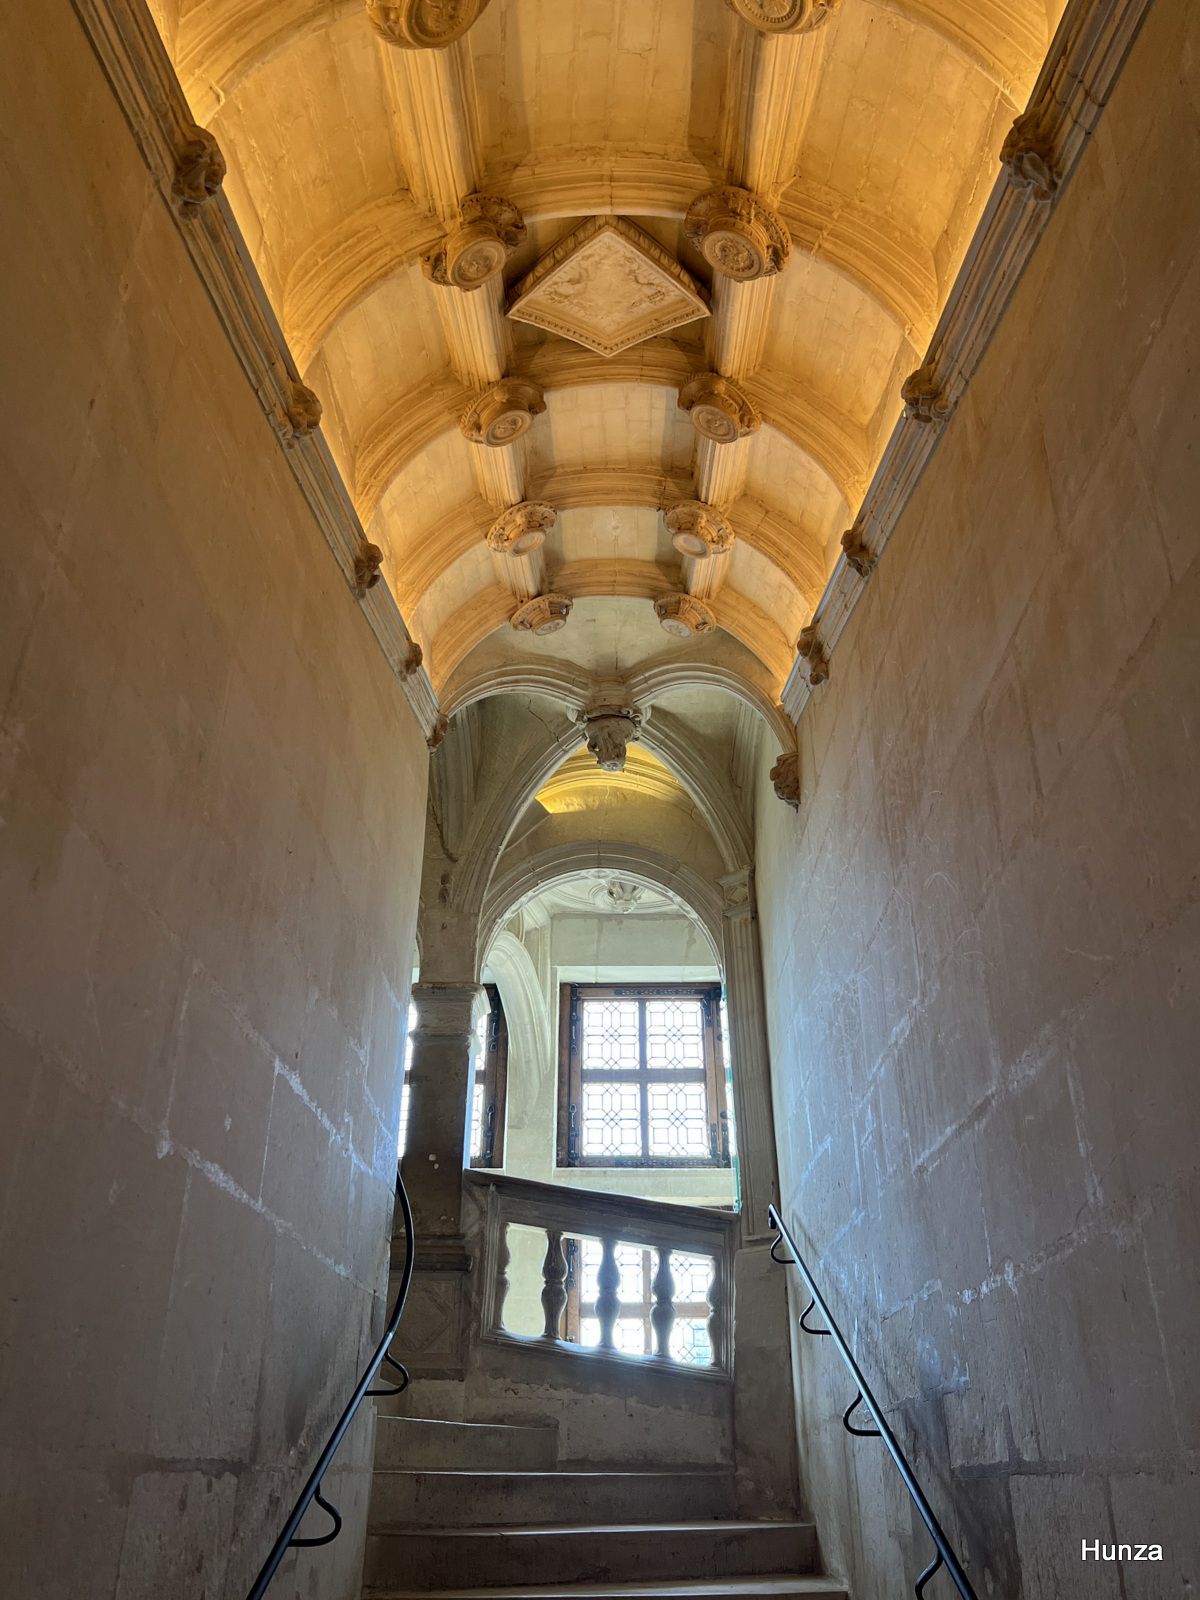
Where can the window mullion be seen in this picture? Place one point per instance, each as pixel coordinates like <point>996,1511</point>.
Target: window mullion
<point>644,1090</point>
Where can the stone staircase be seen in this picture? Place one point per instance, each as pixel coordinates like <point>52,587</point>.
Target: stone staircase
<point>483,1511</point>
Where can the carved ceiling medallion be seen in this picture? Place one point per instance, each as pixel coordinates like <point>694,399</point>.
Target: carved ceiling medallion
<point>490,230</point>
<point>521,529</point>
<point>502,413</point>
<point>737,235</point>
<point>719,410</point>
<point>607,286</point>
<point>683,616</point>
<point>698,530</point>
<point>545,613</point>
<point>784,16</point>
<point>423,24</point>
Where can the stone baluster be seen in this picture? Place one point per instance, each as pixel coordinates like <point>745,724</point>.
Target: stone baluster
<point>608,1299</point>
<point>503,1257</point>
<point>716,1313</point>
<point>554,1284</point>
<point>662,1315</point>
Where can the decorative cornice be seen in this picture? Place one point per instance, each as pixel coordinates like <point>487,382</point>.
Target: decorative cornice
<point>521,529</point>
<point>785,779</point>
<point>545,613</point>
<point>424,24</point>
<point>490,230</point>
<point>684,616</point>
<point>737,234</point>
<point>131,54</point>
<point>1075,84</point>
<point>502,413</point>
<point>719,409</point>
<point>698,530</point>
<point>784,16</point>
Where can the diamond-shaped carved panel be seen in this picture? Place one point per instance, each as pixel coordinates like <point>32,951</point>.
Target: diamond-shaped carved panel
<point>607,286</point>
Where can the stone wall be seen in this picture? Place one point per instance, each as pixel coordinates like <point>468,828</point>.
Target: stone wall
<point>211,808</point>
<point>981,932</point>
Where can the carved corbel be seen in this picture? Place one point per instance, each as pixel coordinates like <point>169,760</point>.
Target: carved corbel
<point>490,230</point>
<point>503,413</point>
<point>367,573</point>
<point>424,24</point>
<point>785,779</point>
<point>199,171</point>
<point>718,408</point>
<point>784,16</point>
<point>521,529</point>
<point>810,647</point>
<point>609,730</point>
<point>413,659</point>
<point>545,613</point>
<point>737,234</point>
<point>924,398</point>
<point>1028,158</point>
<point>683,616</point>
<point>858,556</point>
<point>698,530</point>
<point>303,412</point>
<point>438,732</point>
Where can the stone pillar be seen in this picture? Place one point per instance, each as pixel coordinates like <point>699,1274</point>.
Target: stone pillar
<point>749,1052</point>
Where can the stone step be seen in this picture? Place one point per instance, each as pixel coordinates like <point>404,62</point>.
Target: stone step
<point>424,1560</point>
<point>491,1499</point>
<point>786,1587</point>
<point>419,1444</point>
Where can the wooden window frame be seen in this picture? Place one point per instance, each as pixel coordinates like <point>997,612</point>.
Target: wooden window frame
<point>570,1073</point>
<point>492,1071</point>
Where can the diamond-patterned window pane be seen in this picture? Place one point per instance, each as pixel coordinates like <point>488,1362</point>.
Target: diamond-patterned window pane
<point>678,1120</point>
<point>629,1335</point>
<point>611,1035</point>
<point>611,1120</point>
<point>689,1342</point>
<point>630,1263</point>
<point>693,1277</point>
<point>477,1121</point>
<point>674,1035</point>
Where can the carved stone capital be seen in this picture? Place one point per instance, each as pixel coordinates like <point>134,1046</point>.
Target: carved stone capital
<point>737,234</point>
<point>813,651</point>
<point>199,171</point>
<point>784,16</point>
<point>367,566</point>
<point>785,779</point>
<point>858,557</point>
<point>521,529</point>
<point>1028,158</point>
<point>698,530</point>
<point>609,729</point>
<point>924,398</point>
<point>684,616</point>
<point>503,413</point>
<point>737,894</point>
<point>718,408</point>
<point>490,230</point>
<point>424,24</point>
<point>545,613</point>
<point>303,412</point>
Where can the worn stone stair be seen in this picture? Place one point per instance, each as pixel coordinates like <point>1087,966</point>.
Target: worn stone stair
<point>482,1511</point>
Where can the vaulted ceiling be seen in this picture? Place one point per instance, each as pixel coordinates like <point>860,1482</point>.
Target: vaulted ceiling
<point>797,178</point>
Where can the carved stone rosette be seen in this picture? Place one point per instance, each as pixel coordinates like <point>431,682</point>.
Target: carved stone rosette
<point>785,779</point>
<point>683,616</point>
<point>924,398</point>
<point>718,408</point>
<point>736,234</point>
<point>698,530</point>
<point>424,24</point>
<point>490,230</point>
<point>858,556</point>
<point>609,730</point>
<point>545,613</point>
<point>784,16</point>
<point>199,171</point>
<point>1026,155</point>
<point>304,412</point>
<point>810,647</point>
<point>503,413</point>
<point>521,529</point>
<point>367,573</point>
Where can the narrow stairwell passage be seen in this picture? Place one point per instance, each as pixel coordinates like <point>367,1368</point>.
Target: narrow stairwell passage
<point>473,1511</point>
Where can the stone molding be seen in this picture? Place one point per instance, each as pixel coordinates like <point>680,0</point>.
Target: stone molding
<point>521,529</point>
<point>698,530</point>
<point>126,42</point>
<point>544,614</point>
<point>739,236</point>
<point>489,231</point>
<point>719,408</point>
<point>785,779</point>
<point>1068,99</point>
<point>424,24</point>
<point>684,616</point>
<point>199,171</point>
<point>784,16</point>
<point>501,414</point>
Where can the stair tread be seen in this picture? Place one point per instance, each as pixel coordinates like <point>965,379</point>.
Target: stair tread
<point>776,1584</point>
<point>559,1473</point>
<point>450,1422</point>
<point>556,1530</point>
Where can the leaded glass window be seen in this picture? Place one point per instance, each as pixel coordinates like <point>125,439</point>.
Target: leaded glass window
<point>642,1077</point>
<point>633,1331</point>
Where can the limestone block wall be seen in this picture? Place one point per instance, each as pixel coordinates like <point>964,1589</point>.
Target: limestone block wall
<point>981,932</point>
<point>211,808</point>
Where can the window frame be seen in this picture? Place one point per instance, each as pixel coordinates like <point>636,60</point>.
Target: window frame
<point>492,1072</point>
<point>571,1074</point>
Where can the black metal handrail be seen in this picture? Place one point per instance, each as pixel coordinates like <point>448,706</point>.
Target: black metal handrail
<point>312,1489</point>
<point>945,1555</point>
